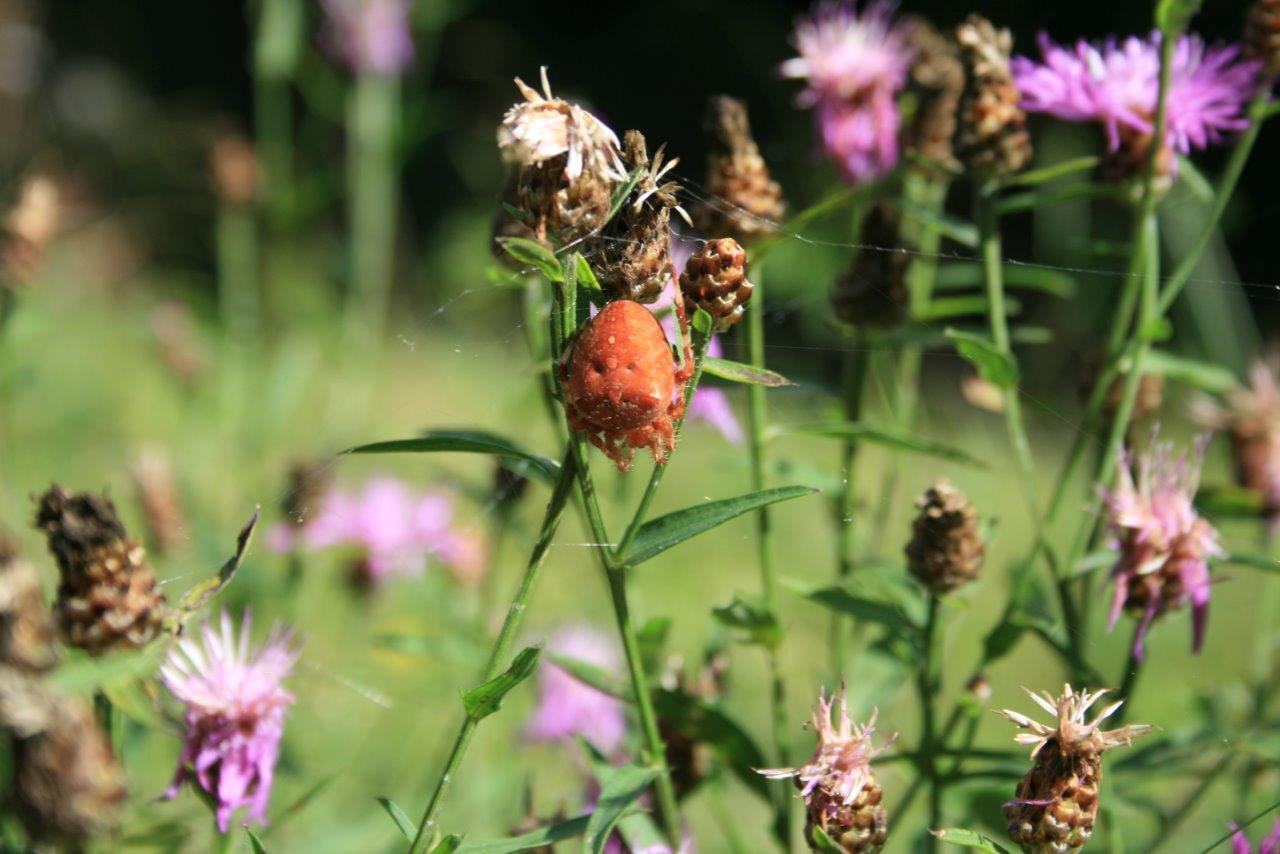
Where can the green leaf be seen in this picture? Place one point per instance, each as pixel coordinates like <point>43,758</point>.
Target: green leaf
<point>255,843</point>
<point>84,675</point>
<point>540,838</point>
<point>740,373</point>
<point>1254,560</point>
<point>587,277</point>
<point>959,275</point>
<point>1032,177</point>
<point>448,845</point>
<point>1174,16</point>
<point>887,435</point>
<point>485,699</point>
<point>959,230</point>
<point>970,839</point>
<point>1203,375</point>
<point>200,595</point>
<point>945,308</point>
<point>299,804</point>
<point>535,255</point>
<point>618,790</point>
<point>822,842</point>
<point>892,616</point>
<point>1232,502</point>
<point>704,723</point>
<point>398,816</point>
<point>652,637</point>
<point>992,365</point>
<point>590,674</point>
<point>658,535</point>
<point>752,616</point>
<point>704,324</point>
<point>465,441</point>
<point>621,192</point>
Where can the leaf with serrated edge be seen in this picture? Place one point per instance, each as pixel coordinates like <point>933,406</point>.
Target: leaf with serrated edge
<point>618,790</point>
<point>485,699</point>
<point>464,441</point>
<point>658,535</point>
<point>397,815</point>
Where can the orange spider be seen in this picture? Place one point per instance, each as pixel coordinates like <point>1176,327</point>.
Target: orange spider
<point>620,379</point>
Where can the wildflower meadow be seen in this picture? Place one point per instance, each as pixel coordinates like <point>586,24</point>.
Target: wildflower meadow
<point>489,427</point>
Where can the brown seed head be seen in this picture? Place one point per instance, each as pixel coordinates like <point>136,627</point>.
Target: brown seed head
<point>946,547</point>
<point>715,280</point>
<point>158,494</point>
<point>308,482</point>
<point>936,81</point>
<point>26,630</point>
<point>872,291</point>
<point>746,202</point>
<point>1262,35</point>
<point>991,136</point>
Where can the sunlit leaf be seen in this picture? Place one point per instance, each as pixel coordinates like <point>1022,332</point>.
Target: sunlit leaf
<point>619,788</point>
<point>534,254</point>
<point>970,839</point>
<point>200,595</point>
<point>255,843</point>
<point>485,699</point>
<point>658,535</point>
<point>465,441</point>
<point>751,616</point>
<point>591,674</point>
<point>1174,16</point>
<point>448,845</point>
<point>740,373</point>
<point>843,600</point>
<point>536,839</point>
<point>586,276</point>
<point>822,842</point>
<point>992,365</point>
<point>83,674</point>
<point>890,436</point>
<point>397,815</point>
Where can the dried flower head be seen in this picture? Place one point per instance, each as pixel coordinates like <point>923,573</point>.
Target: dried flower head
<point>871,292</point>
<point>1162,545</point>
<point>1262,35</point>
<point>107,597</point>
<point>841,794</point>
<point>1115,84</point>
<point>715,280</point>
<point>935,82</point>
<point>26,630</point>
<point>234,718</point>
<point>567,160</point>
<point>1269,844</point>
<point>568,707</point>
<point>991,136</point>
<point>1057,800</point>
<point>854,66</point>
<point>1252,421</point>
<point>745,200</point>
<point>946,546</point>
<point>157,492</point>
<point>66,787</point>
<point>370,36</point>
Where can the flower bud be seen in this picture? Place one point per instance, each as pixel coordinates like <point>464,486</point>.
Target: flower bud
<point>715,280</point>
<point>991,138</point>
<point>936,81</point>
<point>746,201</point>
<point>946,547</point>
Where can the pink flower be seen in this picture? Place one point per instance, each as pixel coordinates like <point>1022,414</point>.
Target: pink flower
<point>370,35</point>
<point>1269,844</point>
<point>567,706</point>
<point>395,529</point>
<point>1116,84</point>
<point>234,716</point>
<point>1163,546</point>
<point>854,66</point>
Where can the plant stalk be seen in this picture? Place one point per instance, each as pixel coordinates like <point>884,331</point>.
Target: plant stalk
<point>855,378</point>
<point>927,686</point>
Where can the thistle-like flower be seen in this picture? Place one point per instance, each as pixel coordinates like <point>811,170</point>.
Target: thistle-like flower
<point>370,36</point>
<point>991,128</point>
<point>840,791</point>
<point>1115,84</point>
<point>235,710</point>
<point>567,162</point>
<point>1269,844</point>
<point>1162,545</point>
<point>854,66</point>
<point>569,707</point>
<point>1057,800</point>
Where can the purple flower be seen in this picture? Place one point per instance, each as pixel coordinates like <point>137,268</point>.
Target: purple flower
<point>369,35</point>
<point>567,706</point>
<point>395,529</point>
<point>1116,84</point>
<point>234,716</point>
<point>1269,844</point>
<point>1163,546</point>
<point>854,67</point>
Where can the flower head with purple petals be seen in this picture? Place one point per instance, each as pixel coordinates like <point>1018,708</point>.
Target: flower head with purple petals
<point>1269,844</point>
<point>854,65</point>
<point>1163,546</point>
<point>569,707</point>
<point>1116,83</point>
<point>370,35</point>
<point>235,708</point>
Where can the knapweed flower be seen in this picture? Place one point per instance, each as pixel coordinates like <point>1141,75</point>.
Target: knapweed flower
<point>1162,545</point>
<point>1057,800</point>
<point>235,708</point>
<point>395,529</point>
<point>370,35</point>
<point>1115,84</point>
<point>567,162</point>
<point>1269,844</point>
<point>946,546</point>
<point>569,707</point>
<point>854,65</point>
<point>840,791</point>
<point>746,202</point>
<point>991,127</point>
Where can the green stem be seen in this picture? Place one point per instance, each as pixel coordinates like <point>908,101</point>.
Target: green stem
<point>112,723</point>
<point>372,126</point>
<point>276,46</point>
<point>927,687</point>
<point>502,646</point>
<point>855,377</point>
<point>239,298</point>
<point>757,424</point>
<point>1128,683</point>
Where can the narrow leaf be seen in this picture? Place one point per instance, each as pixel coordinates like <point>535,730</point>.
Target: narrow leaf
<point>199,595</point>
<point>465,441</point>
<point>959,230</point>
<point>959,275</point>
<point>751,616</point>
<point>587,277</point>
<point>448,845</point>
<point>822,842</point>
<point>1254,560</point>
<point>740,373</point>
<point>1203,375</point>
<point>890,436</point>
<point>840,599</point>
<point>535,255</point>
<point>970,839</point>
<point>398,816</point>
<point>255,843</point>
<point>945,308</point>
<point>83,675</point>
<point>485,699</point>
<point>1174,16</point>
<point>704,723</point>
<point>992,365</point>
<point>618,790</point>
<point>533,840</point>
<point>658,535</point>
<point>1232,502</point>
<point>590,674</point>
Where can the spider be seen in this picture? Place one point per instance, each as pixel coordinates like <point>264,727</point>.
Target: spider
<point>620,382</point>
